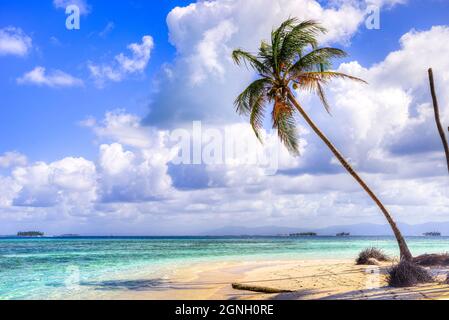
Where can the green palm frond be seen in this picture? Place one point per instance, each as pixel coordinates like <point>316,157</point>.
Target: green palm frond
<point>326,76</point>
<point>301,36</point>
<point>257,116</point>
<point>313,82</point>
<point>320,58</point>
<point>239,56</point>
<point>265,49</point>
<point>285,124</point>
<point>245,101</point>
<point>266,55</point>
<point>322,95</point>
<point>277,39</point>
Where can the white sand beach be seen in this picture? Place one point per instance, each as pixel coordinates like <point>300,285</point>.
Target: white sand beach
<point>307,279</point>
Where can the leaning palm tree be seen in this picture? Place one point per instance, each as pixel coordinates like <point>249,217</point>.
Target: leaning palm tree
<point>437,117</point>
<point>293,61</point>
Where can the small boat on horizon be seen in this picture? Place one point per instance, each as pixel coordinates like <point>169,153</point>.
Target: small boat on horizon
<point>343,234</point>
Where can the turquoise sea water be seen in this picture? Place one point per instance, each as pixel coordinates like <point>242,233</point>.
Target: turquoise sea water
<point>37,268</point>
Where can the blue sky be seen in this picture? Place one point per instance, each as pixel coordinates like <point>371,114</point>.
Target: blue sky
<point>46,123</point>
<point>60,110</point>
<point>42,122</point>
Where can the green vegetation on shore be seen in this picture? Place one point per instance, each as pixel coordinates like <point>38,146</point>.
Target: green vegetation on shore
<point>30,234</point>
<point>303,234</point>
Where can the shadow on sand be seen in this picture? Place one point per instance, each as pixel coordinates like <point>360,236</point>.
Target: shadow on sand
<point>134,285</point>
<point>147,285</point>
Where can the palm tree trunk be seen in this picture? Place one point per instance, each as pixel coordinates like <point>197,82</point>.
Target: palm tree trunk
<point>437,117</point>
<point>403,248</point>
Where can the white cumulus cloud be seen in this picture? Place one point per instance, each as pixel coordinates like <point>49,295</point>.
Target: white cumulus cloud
<point>123,64</point>
<point>12,159</point>
<point>46,185</point>
<point>84,7</point>
<point>13,41</point>
<point>55,78</point>
<point>132,176</point>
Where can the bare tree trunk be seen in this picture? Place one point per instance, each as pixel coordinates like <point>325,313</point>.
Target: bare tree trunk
<point>437,117</point>
<point>403,248</point>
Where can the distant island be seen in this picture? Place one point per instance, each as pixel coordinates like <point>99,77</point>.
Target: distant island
<point>343,234</point>
<point>30,234</point>
<point>303,234</point>
<point>432,234</point>
<point>361,229</point>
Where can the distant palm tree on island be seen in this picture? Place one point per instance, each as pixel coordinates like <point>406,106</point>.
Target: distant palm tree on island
<point>294,61</point>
